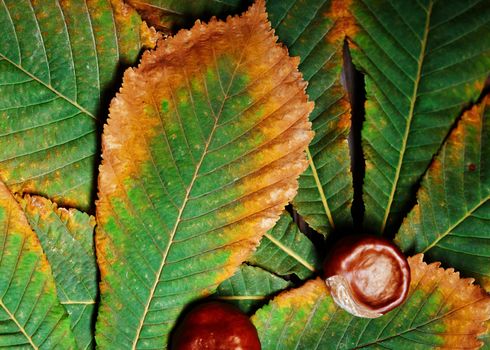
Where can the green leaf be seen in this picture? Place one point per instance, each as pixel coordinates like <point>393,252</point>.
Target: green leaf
<point>424,62</point>
<point>433,316</point>
<point>285,250</point>
<point>314,30</point>
<point>31,317</point>
<point>450,223</point>
<point>171,15</point>
<point>66,237</point>
<point>58,60</point>
<point>250,287</point>
<point>201,153</point>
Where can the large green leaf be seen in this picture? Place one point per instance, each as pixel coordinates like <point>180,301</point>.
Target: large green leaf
<point>31,317</point>
<point>442,311</point>
<point>58,60</point>
<point>424,61</point>
<point>201,153</point>
<point>314,30</point>
<point>285,250</point>
<point>67,237</point>
<point>450,223</point>
<point>250,287</point>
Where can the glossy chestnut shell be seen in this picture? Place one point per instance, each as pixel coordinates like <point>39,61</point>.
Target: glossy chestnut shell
<point>215,326</point>
<point>367,275</point>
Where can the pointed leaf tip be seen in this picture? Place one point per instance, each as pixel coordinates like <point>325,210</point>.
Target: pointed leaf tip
<point>31,313</point>
<point>66,236</point>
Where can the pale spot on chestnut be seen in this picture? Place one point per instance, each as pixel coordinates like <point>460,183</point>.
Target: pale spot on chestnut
<point>367,275</point>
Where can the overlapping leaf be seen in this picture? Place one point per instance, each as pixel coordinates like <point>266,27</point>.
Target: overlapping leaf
<point>450,223</point>
<point>200,155</point>
<point>170,15</point>
<point>58,60</point>
<point>441,311</point>
<point>285,250</point>
<point>424,62</point>
<point>66,237</point>
<point>30,314</point>
<point>314,30</point>
<point>250,287</point>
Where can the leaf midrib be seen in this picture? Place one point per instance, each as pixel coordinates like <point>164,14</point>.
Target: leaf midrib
<point>49,87</point>
<point>409,118</point>
<point>22,330</point>
<point>411,329</point>
<point>456,224</point>
<point>290,252</point>
<point>319,185</point>
<point>185,201</point>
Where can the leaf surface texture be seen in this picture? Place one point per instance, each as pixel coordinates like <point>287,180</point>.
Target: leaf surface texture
<point>450,223</point>
<point>67,238</point>
<point>250,287</point>
<point>31,317</point>
<point>285,250</point>
<point>201,153</point>
<point>58,59</point>
<point>442,311</point>
<point>315,30</point>
<point>422,68</point>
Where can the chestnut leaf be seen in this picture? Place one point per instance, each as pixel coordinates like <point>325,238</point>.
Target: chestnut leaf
<point>30,312</point>
<point>250,287</point>
<point>169,16</point>
<point>450,221</point>
<point>58,60</point>
<point>284,250</point>
<point>202,151</point>
<point>422,67</point>
<point>313,30</point>
<point>67,238</point>
<point>442,310</point>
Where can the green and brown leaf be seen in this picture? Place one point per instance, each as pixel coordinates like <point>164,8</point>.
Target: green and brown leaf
<point>67,238</point>
<point>201,153</point>
<point>450,221</point>
<point>58,60</point>
<point>30,314</point>
<point>442,311</point>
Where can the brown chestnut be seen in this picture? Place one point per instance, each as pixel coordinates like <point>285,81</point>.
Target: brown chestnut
<point>367,275</point>
<point>215,326</point>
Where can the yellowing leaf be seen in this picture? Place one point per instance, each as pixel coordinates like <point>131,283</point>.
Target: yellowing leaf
<point>450,223</point>
<point>31,317</point>
<point>201,153</point>
<point>313,30</point>
<point>66,237</point>
<point>58,61</point>
<point>442,311</point>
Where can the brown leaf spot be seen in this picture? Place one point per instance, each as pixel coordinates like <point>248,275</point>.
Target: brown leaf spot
<point>344,21</point>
